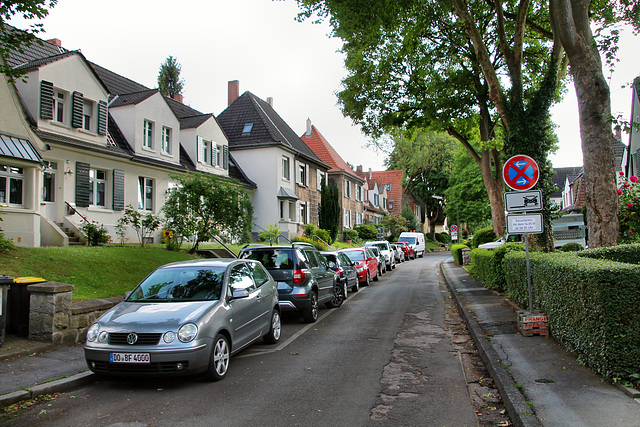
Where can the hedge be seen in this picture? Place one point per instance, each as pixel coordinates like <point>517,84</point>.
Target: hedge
<point>486,265</point>
<point>593,307</point>
<point>456,252</point>
<point>622,253</point>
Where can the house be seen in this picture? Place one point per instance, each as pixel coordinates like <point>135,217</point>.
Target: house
<point>562,178</point>
<point>105,142</point>
<point>350,186</point>
<point>631,161</point>
<point>287,171</point>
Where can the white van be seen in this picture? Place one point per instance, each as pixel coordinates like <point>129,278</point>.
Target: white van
<point>415,240</point>
<point>569,228</point>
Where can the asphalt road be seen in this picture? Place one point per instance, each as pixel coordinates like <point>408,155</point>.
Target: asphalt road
<point>384,358</point>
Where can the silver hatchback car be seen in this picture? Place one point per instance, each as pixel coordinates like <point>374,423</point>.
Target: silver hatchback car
<point>186,318</point>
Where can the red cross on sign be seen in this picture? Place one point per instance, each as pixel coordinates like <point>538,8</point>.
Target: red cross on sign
<point>521,172</point>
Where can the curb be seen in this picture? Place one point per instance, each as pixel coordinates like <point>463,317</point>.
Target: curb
<point>520,413</point>
<point>57,386</point>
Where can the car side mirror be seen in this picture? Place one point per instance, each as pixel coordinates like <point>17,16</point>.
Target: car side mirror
<point>238,294</point>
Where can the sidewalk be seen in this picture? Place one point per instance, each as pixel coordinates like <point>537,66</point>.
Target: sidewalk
<point>540,382</point>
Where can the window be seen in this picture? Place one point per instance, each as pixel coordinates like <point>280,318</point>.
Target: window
<point>388,187</point>
<point>320,176</point>
<point>347,218</point>
<point>358,218</point>
<point>304,213</point>
<point>49,182</point>
<point>218,156</point>
<point>246,130</point>
<point>347,189</point>
<point>282,210</point>
<point>58,108</point>
<point>97,188</point>
<point>166,140</point>
<point>207,152</point>
<point>303,174</point>
<point>240,278</point>
<point>11,185</point>
<point>87,115</point>
<point>147,135</point>
<point>145,193</point>
<point>359,193</point>
<point>376,199</point>
<point>286,173</point>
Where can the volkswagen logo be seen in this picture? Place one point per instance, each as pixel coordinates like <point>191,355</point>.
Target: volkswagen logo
<point>132,338</point>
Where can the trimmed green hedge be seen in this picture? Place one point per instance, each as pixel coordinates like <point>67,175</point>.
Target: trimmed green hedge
<point>629,254</point>
<point>456,252</point>
<point>486,265</point>
<point>593,306</point>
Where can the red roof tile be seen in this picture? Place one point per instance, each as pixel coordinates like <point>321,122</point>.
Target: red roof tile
<point>321,147</point>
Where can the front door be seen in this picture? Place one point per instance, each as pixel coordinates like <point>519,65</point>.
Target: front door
<point>49,176</point>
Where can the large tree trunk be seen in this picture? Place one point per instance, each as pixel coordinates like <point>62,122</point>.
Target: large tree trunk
<point>495,190</point>
<point>570,21</point>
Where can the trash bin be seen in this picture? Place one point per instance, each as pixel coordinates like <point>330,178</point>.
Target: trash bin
<point>18,305</point>
<point>5,281</point>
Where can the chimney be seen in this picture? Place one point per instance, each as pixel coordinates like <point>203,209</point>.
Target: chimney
<point>57,42</point>
<point>359,169</point>
<point>270,101</point>
<point>309,130</point>
<point>234,91</point>
<point>370,174</point>
<point>178,97</point>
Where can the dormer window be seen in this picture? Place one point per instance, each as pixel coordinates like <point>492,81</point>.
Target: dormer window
<point>87,115</point>
<point>166,140</point>
<point>247,128</point>
<point>147,135</point>
<point>59,101</point>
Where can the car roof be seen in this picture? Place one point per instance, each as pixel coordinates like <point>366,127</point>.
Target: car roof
<point>206,262</point>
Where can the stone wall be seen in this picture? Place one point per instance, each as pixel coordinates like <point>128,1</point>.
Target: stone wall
<point>55,319</point>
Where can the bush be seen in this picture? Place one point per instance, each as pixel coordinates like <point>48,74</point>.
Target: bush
<point>367,231</point>
<point>487,265</point>
<point>484,235</point>
<point>6,245</point>
<point>456,252</point>
<point>311,231</point>
<point>629,254</point>
<point>591,305</point>
<point>571,247</point>
<point>318,245</point>
<point>350,235</point>
<point>443,238</point>
<point>95,233</point>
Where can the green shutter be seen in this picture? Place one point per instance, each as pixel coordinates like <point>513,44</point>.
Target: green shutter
<point>82,184</point>
<point>225,156</point>
<point>46,100</point>
<point>118,190</point>
<point>102,117</point>
<point>77,104</point>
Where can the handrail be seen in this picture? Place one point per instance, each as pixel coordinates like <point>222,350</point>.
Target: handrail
<point>225,246</point>
<point>73,211</point>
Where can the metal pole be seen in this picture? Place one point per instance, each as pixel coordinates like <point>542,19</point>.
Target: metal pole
<point>526,245</point>
<point>458,224</point>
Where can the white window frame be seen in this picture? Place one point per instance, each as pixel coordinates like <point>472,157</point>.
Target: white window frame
<point>147,134</point>
<point>358,193</point>
<point>286,168</point>
<point>218,155</point>
<point>166,139</point>
<point>59,105</point>
<point>358,218</point>
<point>144,184</point>
<point>11,174</point>
<point>87,115</point>
<point>347,189</point>
<point>347,218</point>
<point>319,175</point>
<point>96,183</point>
<point>49,176</point>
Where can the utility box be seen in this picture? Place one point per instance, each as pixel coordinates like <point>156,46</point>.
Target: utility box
<point>532,323</point>
<point>5,281</point>
<point>19,305</point>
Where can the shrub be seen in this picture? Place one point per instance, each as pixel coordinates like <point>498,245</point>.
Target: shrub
<point>487,265</point>
<point>5,244</point>
<point>629,209</point>
<point>443,238</point>
<point>350,235</point>
<point>456,252</point>
<point>311,231</point>
<point>96,234</point>
<point>367,231</point>
<point>571,247</point>
<point>591,305</point>
<point>318,245</point>
<point>629,254</point>
<point>484,235</point>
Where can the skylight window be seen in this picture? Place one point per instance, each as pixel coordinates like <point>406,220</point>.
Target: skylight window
<point>247,128</point>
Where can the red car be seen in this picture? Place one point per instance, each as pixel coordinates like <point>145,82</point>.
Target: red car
<point>365,262</point>
<point>409,253</point>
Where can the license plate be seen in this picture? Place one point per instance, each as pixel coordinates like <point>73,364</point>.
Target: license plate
<point>129,358</point>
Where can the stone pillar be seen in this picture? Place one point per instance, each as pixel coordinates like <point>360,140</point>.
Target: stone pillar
<point>50,312</point>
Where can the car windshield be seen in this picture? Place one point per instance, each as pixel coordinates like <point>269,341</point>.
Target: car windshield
<point>409,240</point>
<point>355,255</point>
<point>181,284</point>
<point>381,246</point>
<point>272,259</point>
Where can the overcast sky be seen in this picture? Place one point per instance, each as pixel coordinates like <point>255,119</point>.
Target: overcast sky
<point>259,43</point>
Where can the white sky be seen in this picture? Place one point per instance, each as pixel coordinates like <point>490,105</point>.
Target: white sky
<point>259,43</point>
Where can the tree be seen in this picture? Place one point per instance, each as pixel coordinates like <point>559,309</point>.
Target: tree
<point>396,224</point>
<point>144,224</point>
<point>169,81</point>
<point>571,21</point>
<point>329,215</point>
<point>205,205</point>
<point>15,40</point>
<point>426,159</point>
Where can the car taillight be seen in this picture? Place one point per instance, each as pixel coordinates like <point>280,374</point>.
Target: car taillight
<point>299,276</point>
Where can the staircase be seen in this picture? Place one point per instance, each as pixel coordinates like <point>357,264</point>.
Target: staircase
<point>73,239</point>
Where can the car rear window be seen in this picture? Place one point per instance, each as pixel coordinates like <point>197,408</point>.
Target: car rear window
<point>272,259</point>
<point>355,255</point>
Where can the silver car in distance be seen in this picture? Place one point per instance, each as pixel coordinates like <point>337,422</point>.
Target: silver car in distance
<point>186,318</point>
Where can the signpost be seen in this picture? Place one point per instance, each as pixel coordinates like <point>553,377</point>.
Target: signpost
<point>523,201</point>
<point>454,233</point>
<point>521,172</point>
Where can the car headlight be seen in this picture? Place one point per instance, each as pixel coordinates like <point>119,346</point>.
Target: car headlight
<point>92,332</point>
<point>168,337</point>
<point>187,332</point>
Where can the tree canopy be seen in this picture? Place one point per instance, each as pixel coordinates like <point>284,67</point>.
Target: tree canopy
<point>329,215</point>
<point>169,81</point>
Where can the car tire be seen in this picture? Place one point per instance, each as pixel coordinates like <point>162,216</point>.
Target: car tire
<point>338,296</point>
<point>275,329</point>
<point>375,279</point>
<point>219,361</point>
<point>356,287</point>
<point>310,314</point>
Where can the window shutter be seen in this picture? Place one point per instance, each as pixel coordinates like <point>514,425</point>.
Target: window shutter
<point>214,154</point>
<point>102,117</point>
<point>77,104</point>
<point>200,149</point>
<point>306,175</point>
<point>225,157</point>
<point>46,100</point>
<point>308,212</point>
<point>118,190</point>
<point>298,219</point>
<point>82,184</point>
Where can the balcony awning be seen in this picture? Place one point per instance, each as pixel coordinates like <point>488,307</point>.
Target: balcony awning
<point>286,193</point>
<point>19,148</point>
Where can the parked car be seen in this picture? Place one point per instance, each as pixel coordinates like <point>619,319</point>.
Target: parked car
<point>186,318</point>
<point>385,249</point>
<point>304,279</point>
<point>507,238</point>
<point>366,264</point>
<point>415,240</point>
<point>382,265</point>
<point>345,269</point>
<point>409,253</point>
<point>397,252</point>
